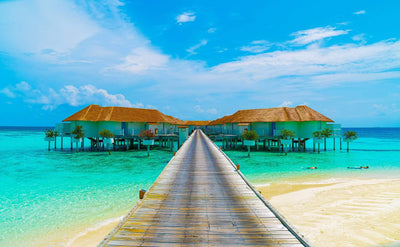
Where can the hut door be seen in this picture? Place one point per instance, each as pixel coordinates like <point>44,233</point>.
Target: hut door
<point>273,128</point>
<point>123,127</point>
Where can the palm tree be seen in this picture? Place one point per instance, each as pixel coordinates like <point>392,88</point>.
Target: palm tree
<point>349,136</point>
<point>326,133</point>
<point>78,133</point>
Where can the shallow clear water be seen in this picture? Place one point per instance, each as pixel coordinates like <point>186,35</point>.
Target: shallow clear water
<point>44,193</point>
<point>378,148</point>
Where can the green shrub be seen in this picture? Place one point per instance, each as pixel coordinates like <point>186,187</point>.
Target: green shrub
<point>250,135</point>
<point>105,133</point>
<point>287,134</point>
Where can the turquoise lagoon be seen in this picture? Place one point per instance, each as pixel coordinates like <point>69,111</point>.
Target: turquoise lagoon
<point>45,194</point>
<point>378,148</point>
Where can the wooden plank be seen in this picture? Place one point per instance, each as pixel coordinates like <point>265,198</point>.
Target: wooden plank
<point>201,199</point>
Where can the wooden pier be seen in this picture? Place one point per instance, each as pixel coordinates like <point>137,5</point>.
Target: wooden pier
<point>201,199</point>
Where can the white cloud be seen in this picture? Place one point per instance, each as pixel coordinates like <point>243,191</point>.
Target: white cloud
<point>148,106</point>
<point>7,92</point>
<point>361,12</point>
<point>305,37</point>
<point>286,104</point>
<point>93,34</point>
<point>316,61</point>
<point>71,95</point>
<point>385,110</point>
<point>90,94</point>
<point>192,50</point>
<point>185,17</point>
<point>23,86</point>
<point>143,59</point>
<point>211,30</point>
<point>257,46</point>
<point>212,111</point>
<point>198,109</point>
<point>37,25</point>
<point>359,38</point>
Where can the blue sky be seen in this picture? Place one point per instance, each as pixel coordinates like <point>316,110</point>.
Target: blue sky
<point>200,59</point>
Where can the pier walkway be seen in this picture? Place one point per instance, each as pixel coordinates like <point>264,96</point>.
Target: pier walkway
<point>200,199</point>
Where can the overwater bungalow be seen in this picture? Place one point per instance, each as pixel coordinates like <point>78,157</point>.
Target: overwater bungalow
<point>269,122</point>
<point>122,121</point>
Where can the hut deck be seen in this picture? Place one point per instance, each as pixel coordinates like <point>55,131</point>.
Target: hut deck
<point>201,199</point>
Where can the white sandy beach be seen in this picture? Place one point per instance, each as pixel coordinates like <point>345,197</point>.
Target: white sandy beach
<point>341,212</point>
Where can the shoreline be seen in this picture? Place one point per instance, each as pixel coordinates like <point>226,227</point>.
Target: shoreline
<point>93,235</point>
<point>363,212</point>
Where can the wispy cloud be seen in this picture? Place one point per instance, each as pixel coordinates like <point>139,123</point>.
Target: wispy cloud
<point>286,104</point>
<point>359,38</point>
<point>305,37</point>
<point>185,17</point>
<point>361,12</point>
<point>199,109</point>
<point>211,30</point>
<point>257,46</point>
<point>142,60</point>
<point>192,50</point>
<point>96,33</point>
<point>7,92</point>
<point>386,110</point>
<point>69,94</point>
<point>29,20</point>
<point>346,59</point>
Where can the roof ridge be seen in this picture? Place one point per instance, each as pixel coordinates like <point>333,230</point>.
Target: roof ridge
<point>111,112</point>
<point>285,111</point>
<point>100,112</point>
<point>298,114</point>
<point>90,107</point>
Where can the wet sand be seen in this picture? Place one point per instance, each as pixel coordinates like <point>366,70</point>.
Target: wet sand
<point>340,212</point>
<point>94,235</point>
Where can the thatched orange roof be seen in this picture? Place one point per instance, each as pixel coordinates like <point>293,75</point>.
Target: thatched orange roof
<point>222,120</point>
<point>300,113</point>
<point>97,113</point>
<point>197,123</point>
